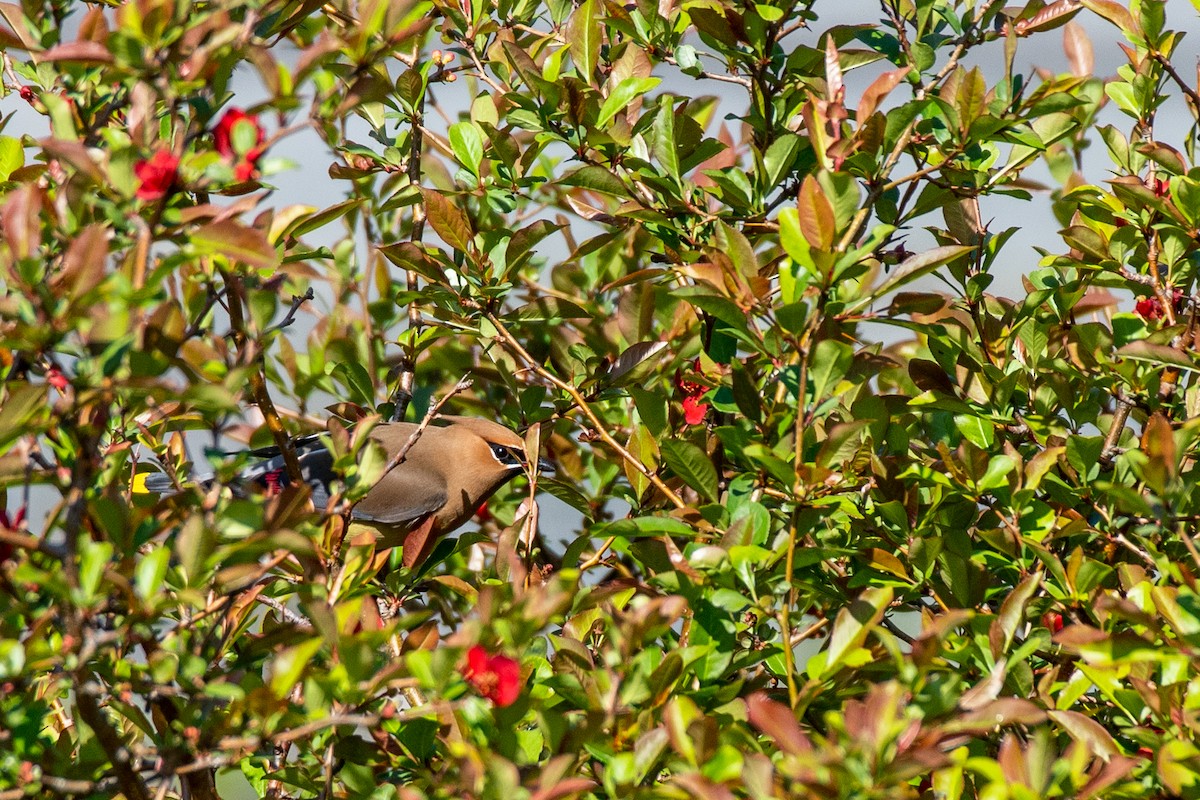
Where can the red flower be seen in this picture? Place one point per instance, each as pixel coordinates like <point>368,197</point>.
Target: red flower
<point>55,378</point>
<point>157,175</point>
<point>223,132</point>
<point>1149,308</point>
<point>496,677</point>
<point>693,410</point>
<point>1052,621</point>
<point>245,163</point>
<point>27,94</point>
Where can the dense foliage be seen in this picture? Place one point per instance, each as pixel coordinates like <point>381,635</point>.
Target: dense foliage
<point>849,523</point>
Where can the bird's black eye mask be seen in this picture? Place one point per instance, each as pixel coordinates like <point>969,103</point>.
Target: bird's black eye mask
<point>506,456</point>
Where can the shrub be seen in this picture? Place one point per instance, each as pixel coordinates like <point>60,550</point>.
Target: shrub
<point>846,523</point>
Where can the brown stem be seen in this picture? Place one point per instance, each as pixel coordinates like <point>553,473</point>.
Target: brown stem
<point>250,355</point>
<point>1120,417</point>
<point>118,754</point>
<point>582,403</point>
<point>408,363</point>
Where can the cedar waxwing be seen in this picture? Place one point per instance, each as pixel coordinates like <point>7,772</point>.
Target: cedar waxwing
<point>445,476</point>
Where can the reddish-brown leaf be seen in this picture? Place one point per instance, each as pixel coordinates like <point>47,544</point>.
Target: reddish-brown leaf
<point>238,243</point>
<point>448,221</point>
<point>833,72</point>
<point>85,260</point>
<point>816,215</point>
<point>1078,48</point>
<point>1158,441</point>
<point>880,88</point>
<point>19,219</point>
<point>778,722</point>
<point>567,787</point>
<point>76,154</point>
<point>83,51</point>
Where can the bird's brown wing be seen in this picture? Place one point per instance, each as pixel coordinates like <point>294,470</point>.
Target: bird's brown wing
<point>403,495</point>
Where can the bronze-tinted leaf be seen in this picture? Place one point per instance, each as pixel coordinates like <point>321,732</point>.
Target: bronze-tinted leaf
<point>816,215</point>
<point>19,220</point>
<point>238,243</point>
<point>583,38</point>
<point>778,722</point>
<point>85,260</point>
<point>1078,48</point>
<point>879,89</point>
<point>81,51</point>
<point>409,256</point>
<point>448,221</point>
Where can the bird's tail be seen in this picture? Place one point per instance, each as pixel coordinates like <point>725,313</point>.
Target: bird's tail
<point>154,483</point>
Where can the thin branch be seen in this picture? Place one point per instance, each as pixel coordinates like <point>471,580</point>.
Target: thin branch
<point>211,299</point>
<point>27,541</point>
<point>582,403</point>
<point>1188,91</point>
<point>299,620</point>
<point>712,76</point>
<point>251,356</point>
<point>599,555</point>
<point>118,754</point>
<point>408,362</point>
<point>289,318</point>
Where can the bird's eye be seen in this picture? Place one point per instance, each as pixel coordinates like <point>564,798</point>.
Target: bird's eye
<point>505,456</point>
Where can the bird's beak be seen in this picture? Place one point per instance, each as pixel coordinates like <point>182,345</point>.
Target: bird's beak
<point>545,467</point>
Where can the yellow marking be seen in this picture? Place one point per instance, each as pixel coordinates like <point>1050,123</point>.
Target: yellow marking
<point>139,483</point>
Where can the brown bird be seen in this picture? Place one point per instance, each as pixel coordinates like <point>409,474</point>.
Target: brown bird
<point>445,476</point>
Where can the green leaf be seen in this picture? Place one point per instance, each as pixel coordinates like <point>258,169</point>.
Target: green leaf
<point>12,658</point>
<point>688,61</point>
<point>12,156</point>
<point>851,627</point>
<point>745,394</point>
<point>722,308</point>
<point>523,241</point>
<point>354,376</point>
<point>596,179</point>
<point>624,94</point>
<point>150,572</point>
<point>778,160</point>
<point>977,430</point>
<point>691,465</point>
<point>93,558</point>
<point>288,665</point>
<point>466,140</point>
<point>829,363</point>
<point>583,39</point>
<point>665,146</point>
<point>651,409</point>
